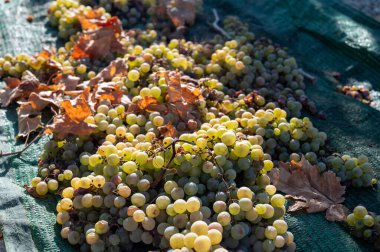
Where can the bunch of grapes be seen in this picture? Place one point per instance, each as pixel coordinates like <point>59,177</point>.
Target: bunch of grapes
<point>365,225</point>
<point>356,170</point>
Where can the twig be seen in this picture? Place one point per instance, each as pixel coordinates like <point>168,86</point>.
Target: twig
<point>27,145</point>
<point>307,75</point>
<point>217,27</point>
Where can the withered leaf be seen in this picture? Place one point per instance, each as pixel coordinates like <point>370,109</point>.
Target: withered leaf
<point>117,67</point>
<point>109,91</point>
<point>98,43</point>
<point>168,130</point>
<point>29,119</point>
<point>41,100</point>
<point>88,20</point>
<point>311,190</point>
<point>16,91</point>
<point>78,109</point>
<point>12,82</point>
<point>69,82</point>
<point>63,127</point>
<point>174,83</point>
<point>145,102</point>
<point>71,121</point>
<point>181,12</point>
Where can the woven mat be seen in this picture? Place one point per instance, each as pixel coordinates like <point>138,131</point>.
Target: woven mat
<point>324,36</point>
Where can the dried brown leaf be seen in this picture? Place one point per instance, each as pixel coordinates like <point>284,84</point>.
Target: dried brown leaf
<point>77,110</point>
<point>29,119</point>
<point>168,130</point>
<point>100,42</point>
<point>181,12</point>
<point>41,100</point>
<point>117,67</point>
<point>15,91</point>
<point>12,82</point>
<point>69,82</point>
<point>311,190</point>
<point>63,127</point>
<point>71,121</point>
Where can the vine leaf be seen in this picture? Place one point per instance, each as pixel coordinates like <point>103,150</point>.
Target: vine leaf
<point>97,44</point>
<point>181,12</point>
<point>310,189</point>
<point>71,120</point>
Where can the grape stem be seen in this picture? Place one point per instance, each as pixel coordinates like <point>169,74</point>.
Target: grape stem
<point>26,146</point>
<point>217,27</point>
<point>164,170</point>
<point>307,75</point>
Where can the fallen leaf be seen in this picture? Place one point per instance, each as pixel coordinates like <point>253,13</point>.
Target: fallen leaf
<point>29,119</point>
<point>118,67</point>
<point>78,109</point>
<point>62,127</point>
<point>69,82</point>
<point>311,190</point>
<point>109,91</point>
<point>17,90</point>
<point>174,86</point>
<point>42,100</point>
<point>88,20</point>
<point>71,120</point>
<point>145,102</point>
<point>181,12</point>
<point>99,43</point>
<point>168,130</point>
<point>12,82</point>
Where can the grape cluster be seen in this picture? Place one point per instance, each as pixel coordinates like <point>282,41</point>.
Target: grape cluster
<point>365,225</point>
<point>356,170</point>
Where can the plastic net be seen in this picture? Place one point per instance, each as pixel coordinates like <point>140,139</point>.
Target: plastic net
<point>324,36</point>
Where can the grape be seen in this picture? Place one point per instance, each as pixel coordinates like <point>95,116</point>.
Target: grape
<point>281,226</point>
<point>244,192</point>
<point>224,218</point>
<point>73,237</point>
<point>189,239</point>
<point>202,243</point>
<point>138,199</point>
<point>277,200</point>
<point>148,223</point>
<point>138,216</point>
<point>130,224</point>
<point>215,236</point>
<point>169,231</point>
<point>133,75</point>
<point>199,227</point>
<point>158,162</point>
<point>177,241</point>
<point>234,208</point>
<point>101,227</point>
<point>270,232</point>
<point>193,204</point>
<point>42,188</point>
<point>360,212</point>
<point>238,232</point>
<point>179,206</point>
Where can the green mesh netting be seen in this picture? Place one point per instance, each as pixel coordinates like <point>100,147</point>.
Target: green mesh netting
<point>324,36</point>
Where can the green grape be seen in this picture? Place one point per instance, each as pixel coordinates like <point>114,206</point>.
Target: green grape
<point>42,188</point>
<point>360,212</point>
<point>202,243</point>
